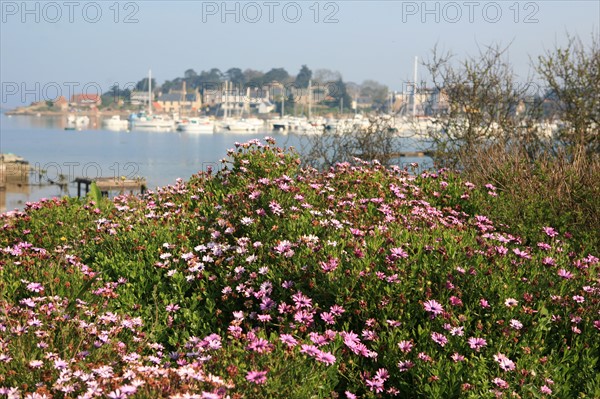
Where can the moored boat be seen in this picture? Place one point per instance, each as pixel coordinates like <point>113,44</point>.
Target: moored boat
<point>196,125</point>
<point>115,123</point>
<point>77,122</point>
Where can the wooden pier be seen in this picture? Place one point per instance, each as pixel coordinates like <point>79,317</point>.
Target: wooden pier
<point>411,154</point>
<point>111,184</point>
<point>14,177</point>
<point>403,154</point>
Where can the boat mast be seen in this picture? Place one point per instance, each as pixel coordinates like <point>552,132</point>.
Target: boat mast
<point>226,99</point>
<point>283,103</point>
<point>415,89</point>
<point>150,92</point>
<point>309,98</point>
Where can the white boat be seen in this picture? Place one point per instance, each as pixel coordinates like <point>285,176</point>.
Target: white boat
<point>115,123</point>
<point>152,123</point>
<point>278,124</point>
<point>77,122</point>
<point>242,126</point>
<point>309,128</point>
<point>196,125</point>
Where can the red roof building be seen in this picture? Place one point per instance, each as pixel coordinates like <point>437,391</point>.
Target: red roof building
<point>86,100</point>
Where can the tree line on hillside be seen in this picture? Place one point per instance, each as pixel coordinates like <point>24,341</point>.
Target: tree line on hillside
<point>327,84</point>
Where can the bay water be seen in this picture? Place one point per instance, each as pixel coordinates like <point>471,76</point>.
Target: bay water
<point>160,158</point>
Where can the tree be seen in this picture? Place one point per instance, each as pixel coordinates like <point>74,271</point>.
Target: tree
<point>114,94</point>
<point>376,91</point>
<point>572,74</point>
<point>253,77</point>
<point>303,77</point>
<point>279,75</point>
<point>323,76</point>
<point>338,94</point>
<point>189,74</point>
<point>236,76</point>
<point>484,106</point>
<point>214,76</point>
<point>210,80</point>
<point>167,85</point>
<point>142,85</point>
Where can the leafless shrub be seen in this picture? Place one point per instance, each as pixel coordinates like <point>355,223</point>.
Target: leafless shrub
<point>377,140</point>
<point>572,74</point>
<point>486,105</point>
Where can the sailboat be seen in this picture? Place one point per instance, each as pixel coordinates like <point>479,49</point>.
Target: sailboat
<point>239,124</point>
<point>149,122</point>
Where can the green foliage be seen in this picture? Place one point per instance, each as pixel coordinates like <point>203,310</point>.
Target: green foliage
<point>94,194</point>
<point>175,288</point>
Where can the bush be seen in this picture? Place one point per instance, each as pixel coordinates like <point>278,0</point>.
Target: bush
<point>267,278</point>
<point>560,191</point>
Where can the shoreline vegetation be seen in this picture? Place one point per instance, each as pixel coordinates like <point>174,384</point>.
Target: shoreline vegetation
<point>27,111</point>
<point>361,281</point>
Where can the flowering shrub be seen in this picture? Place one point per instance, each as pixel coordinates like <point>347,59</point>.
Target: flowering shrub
<point>267,279</point>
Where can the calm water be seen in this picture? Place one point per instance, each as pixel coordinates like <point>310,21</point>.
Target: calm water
<point>159,157</point>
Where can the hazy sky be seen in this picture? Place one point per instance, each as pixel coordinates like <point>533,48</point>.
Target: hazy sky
<point>51,45</point>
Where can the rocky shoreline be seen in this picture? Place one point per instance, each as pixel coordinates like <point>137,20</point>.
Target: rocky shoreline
<point>96,112</point>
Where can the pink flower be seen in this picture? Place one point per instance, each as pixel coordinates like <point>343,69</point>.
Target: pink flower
<point>548,261</point>
<point>405,366</point>
<point>455,301</point>
<point>35,287</point>
<point>550,232</point>
<point>376,384</point>
<point>117,394</point>
<point>545,390</point>
<point>337,310</point>
<point>578,298</point>
<point>60,364</point>
<point>310,350</point>
<point>264,317</point>
<point>259,345</point>
<point>544,246</point>
<point>433,307</point>
<point>505,363</point>
<point>500,383</point>
<point>382,374</point>
<point>288,340</point>
<point>511,302</point>
<point>405,346</point>
<point>398,253</point>
<point>457,357</point>
<point>477,343</point>
<point>172,308</point>
<point>567,275</point>
<point>330,265</point>
<point>516,324</point>
<point>325,357</point>
<point>257,377</point>
<point>36,364</point>
<point>439,338</point>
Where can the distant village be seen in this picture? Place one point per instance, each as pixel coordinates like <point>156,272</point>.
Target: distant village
<point>181,100</point>
<point>249,92</point>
